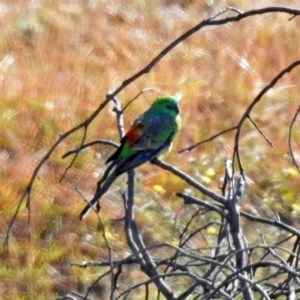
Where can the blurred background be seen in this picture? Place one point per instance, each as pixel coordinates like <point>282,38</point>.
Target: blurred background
<point>59,59</point>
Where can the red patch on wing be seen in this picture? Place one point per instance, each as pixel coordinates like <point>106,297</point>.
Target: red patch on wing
<point>134,133</point>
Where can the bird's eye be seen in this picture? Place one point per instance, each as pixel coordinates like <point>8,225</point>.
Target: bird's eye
<point>173,107</point>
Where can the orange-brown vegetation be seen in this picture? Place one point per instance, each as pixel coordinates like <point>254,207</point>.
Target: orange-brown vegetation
<point>58,60</point>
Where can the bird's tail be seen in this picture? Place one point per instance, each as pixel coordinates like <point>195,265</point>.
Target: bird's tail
<point>99,193</point>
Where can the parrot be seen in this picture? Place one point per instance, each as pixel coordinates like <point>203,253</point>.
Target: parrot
<point>150,135</point>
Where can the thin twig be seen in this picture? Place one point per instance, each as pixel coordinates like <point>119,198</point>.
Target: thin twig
<point>246,114</point>
<point>257,128</point>
<point>135,97</point>
<point>208,140</point>
<point>290,139</point>
<point>76,154</point>
<point>96,142</point>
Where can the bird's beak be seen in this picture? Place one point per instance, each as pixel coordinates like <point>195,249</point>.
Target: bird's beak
<point>177,109</point>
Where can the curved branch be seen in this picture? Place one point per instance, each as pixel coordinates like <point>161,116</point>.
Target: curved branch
<point>208,140</point>
<point>290,139</point>
<point>251,106</point>
<point>82,147</point>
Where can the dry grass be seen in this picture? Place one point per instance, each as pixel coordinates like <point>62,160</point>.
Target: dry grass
<point>58,59</point>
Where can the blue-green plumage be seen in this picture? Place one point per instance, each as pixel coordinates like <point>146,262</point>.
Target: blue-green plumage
<point>150,135</point>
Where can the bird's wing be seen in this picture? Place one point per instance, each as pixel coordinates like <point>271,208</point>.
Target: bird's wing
<point>156,136</point>
<point>130,138</point>
<point>154,133</point>
<point>139,157</point>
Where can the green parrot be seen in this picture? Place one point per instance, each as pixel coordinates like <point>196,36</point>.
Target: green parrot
<point>150,135</point>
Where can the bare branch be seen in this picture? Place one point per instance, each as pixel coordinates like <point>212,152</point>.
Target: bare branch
<point>252,105</point>
<point>290,139</point>
<point>190,181</point>
<point>255,125</point>
<point>96,142</point>
<point>208,140</point>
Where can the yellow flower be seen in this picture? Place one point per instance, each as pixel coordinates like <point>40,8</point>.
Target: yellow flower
<point>211,230</point>
<point>205,179</point>
<point>296,207</point>
<point>158,188</point>
<point>210,172</point>
<point>291,172</point>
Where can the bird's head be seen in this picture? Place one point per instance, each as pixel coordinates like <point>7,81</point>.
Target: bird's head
<point>166,105</point>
